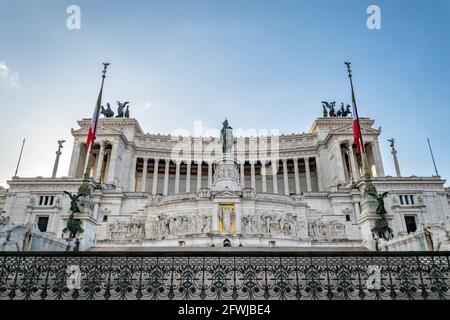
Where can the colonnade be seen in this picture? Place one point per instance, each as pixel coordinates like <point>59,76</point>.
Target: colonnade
<point>284,176</point>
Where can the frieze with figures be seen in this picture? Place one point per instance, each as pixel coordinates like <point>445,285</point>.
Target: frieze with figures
<point>226,172</point>
<point>126,231</point>
<point>165,226</point>
<point>275,225</point>
<point>319,230</point>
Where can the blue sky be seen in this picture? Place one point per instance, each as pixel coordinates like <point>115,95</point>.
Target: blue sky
<point>263,64</point>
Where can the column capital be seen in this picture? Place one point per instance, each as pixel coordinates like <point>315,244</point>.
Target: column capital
<point>167,161</point>
<point>295,160</point>
<point>284,160</point>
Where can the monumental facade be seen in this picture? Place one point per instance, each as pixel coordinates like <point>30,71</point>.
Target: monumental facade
<point>303,191</point>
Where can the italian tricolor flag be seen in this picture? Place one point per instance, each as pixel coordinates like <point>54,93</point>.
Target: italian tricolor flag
<point>356,127</point>
<point>92,134</point>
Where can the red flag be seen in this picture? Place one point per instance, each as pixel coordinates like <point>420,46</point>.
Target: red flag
<point>92,134</point>
<point>356,131</point>
<point>356,127</point>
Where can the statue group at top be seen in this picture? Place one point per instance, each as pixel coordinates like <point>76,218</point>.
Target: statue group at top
<point>330,111</point>
<point>121,111</point>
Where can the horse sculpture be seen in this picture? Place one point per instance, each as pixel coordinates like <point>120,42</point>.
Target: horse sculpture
<point>108,113</point>
<point>345,112</point>
<point>342,112</point>
<point>329,105</point>
<point>120,109</point>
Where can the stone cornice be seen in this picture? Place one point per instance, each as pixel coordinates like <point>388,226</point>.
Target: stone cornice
<point>112,123</point>
<point>411,183</point>
<point>335,122</point>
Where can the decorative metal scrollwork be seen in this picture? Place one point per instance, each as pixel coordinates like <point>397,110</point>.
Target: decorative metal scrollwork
<point>225,275</point>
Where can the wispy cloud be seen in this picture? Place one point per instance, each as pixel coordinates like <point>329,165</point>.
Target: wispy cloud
<point>147,105</point>
<point>8,77</point>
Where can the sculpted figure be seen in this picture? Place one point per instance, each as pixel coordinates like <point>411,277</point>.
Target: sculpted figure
<point>206,225</point>
<point>380,200</point>
<point>332,112</point>
<point>347,111</point>
<point>325,111</point>
<point>226,137</point>
<point>120,109</point>
<point>74,201</point>
<point>329,105</point>
<point>226,219</point>
<point>108,112</point>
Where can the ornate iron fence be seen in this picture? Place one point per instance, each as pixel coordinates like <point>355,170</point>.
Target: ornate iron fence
<point>225,275</point>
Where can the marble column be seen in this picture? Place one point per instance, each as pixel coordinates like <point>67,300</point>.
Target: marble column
<point>112,162</point>
<point>215,218</point>
<point>308,175</point>
<point>377,159</point>
<point>274,175</point>
<point>166,177</point>
<point>209,174</point>
<point>397,166</point>
<point>297,177</point>
<point>98,167</point>
<point>177,177</point>
<point>188,176</point>
<point>355,172</point>
<point>155,176</point>
<point>133,174</point>
<point>285,177</point>
<point>144,175</point>
<point>199,175</point>
<point>339,163</point>
<point>263,176</point>
<point>242,174</point>
<point>319,174</point>
<point>252,169</point>
<point>74,159</point>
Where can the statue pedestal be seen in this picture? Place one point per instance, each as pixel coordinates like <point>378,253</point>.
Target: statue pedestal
<point>226,175</point>
<point>88,223</point>
<point>369,219</point>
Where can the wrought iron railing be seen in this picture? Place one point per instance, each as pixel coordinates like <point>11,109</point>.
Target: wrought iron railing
<point>225,275</point>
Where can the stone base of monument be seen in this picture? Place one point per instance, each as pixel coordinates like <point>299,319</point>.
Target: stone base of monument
<point>369,219</point>
<point>89,225</point>
<point>226,175</point>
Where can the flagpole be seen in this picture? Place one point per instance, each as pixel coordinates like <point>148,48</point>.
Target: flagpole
<point>363,149</point>
<point>20,157</point>
<point>88,152</point>
<point>432,157</point>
